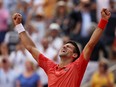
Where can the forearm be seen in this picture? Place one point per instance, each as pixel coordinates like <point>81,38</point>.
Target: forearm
<point>27,42</point>
<point>95,37</point>
<point>25,39</point>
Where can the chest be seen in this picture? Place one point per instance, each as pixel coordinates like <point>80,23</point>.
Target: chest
<point>65,74</point>
<point>30,81</point>
<point>101,81</point>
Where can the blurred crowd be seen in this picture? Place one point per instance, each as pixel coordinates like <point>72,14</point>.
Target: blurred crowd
<point>50,24</point>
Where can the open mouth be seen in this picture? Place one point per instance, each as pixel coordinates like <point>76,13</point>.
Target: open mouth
<point>63,50</point>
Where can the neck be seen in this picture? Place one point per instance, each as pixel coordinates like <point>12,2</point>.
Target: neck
<point>6,70</point>
<point>102,72</point>
<point>45,48</point>
<point>65,61</point>
<point>29,71</point>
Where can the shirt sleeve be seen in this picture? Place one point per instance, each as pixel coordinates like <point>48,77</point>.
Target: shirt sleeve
<point>81,64</point>
<point>45,63</point>
<point>81,61</point>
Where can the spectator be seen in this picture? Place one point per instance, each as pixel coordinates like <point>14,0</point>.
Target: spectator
<point>75,22</point>
<point>28,78</point>
<point>17,58</point>
<point>86,18</point>
<point>23,8</point>
<point>61,16</point>
<point>37,20</point>
<point>7,75</point>
<point>102,77</point>
<point>10,5</point>
<point>33,32</point>
<point>55,40</point>
<point>11,38</point>
<point>4,16</point>
<point>109,34</point>
<point>48,8</point>
<point>113,48</point>
<point>4,51</point>
<point>47,49</point>
<point>101,4</point>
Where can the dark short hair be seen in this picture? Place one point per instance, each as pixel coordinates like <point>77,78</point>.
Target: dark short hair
<point>76,50</point>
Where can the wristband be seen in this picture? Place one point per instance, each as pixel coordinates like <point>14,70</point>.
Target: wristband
<point>19,28</point>
<point>102,24</point>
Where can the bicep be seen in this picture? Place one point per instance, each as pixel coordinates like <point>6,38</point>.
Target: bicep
<point>87,51</point>
<point>92,42</point>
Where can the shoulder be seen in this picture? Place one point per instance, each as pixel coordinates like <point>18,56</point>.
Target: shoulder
<point>36,76</point>
<point>111,74</point>
<point>81,58</point>
<point>20,76</point>
<point>95,75</point>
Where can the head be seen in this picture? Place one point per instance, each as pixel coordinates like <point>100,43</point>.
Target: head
<point>1,3</point>
<point>86,4</point>
<point>70,50</point>
<point>45,42</point>
<point>39,15</point>
<point>5,63</point>
<point>61,8</point>
<point>54,29</point>
<point>29,65</point>
<point>24,5</point>
<point>103,66</point>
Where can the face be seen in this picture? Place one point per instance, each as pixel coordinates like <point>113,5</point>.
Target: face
<point>67,50</point>
<point>29,66</point>
<point>3,48</point>
<point>5,64</point>
<point>45,42</point>
<point>54,33</point>
<point>102,67</point>
<point>61,9</point>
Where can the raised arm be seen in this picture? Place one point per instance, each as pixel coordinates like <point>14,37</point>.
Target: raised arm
<point>105,15</point>
<point>25,39</point>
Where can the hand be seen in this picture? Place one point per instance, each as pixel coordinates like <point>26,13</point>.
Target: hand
<point>105,14</point>
<point>17,18</point>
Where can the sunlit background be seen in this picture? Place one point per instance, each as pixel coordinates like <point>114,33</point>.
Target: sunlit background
<point>50,24</point>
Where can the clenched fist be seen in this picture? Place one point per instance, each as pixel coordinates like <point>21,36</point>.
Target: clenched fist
<point>105,14</point>
<point>17,18</point>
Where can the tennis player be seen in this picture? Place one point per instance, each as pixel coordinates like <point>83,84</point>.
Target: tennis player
<point>69,72</point>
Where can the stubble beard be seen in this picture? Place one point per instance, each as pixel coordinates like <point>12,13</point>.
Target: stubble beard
<point>63,54</point>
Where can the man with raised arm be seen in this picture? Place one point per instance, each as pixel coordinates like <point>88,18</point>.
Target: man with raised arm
<point>69,72</point>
